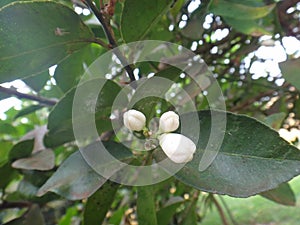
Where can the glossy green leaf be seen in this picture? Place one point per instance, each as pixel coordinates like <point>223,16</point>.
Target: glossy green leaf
<point>42,35</point>
<point>60,119</point>
<point>283,194</point>
<point>75,179</point>
<point>32,216</point>
<point>99,203</point>
<point>290,71</point>
<point>252,157</point>
<point>148,14</point>
<point>146,205</point>
<point>239,10</point>
<point>165,214</point>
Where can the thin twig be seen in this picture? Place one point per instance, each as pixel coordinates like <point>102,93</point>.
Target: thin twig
<point>11,205</point>
<point>220,210</point>
<point>228,210</point>
<point>44,101</point>
<point>110,38</point>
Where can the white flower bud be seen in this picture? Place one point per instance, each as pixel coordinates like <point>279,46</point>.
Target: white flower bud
<point>177,147</point>
<point>134,120</point>
<point>168,122</point>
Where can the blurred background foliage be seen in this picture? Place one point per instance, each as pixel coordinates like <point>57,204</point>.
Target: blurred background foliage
<point>251,47</point>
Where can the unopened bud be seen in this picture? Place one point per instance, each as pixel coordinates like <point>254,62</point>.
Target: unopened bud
<point>177,147</point>
<point>134,120</point>
<point>168,122</point>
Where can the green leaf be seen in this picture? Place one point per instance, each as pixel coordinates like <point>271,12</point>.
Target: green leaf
<point>41,160</point>
<point>165,214</point>
<point>99,203</point>
<point>250,27</point>
<point>275,120</point>
<point>239,10</point>
<point>10,174</point>
<point>42,35</point>
<point>148,14</point>
<point>5,147</point>
<point>146,205</point>
<point>67,218</point>
<point>6,2</point>
<point>28,110</point>
<point>75,179</point>
<point>194,28</point>
<point>176,7</point>
<point>37,82</point>
<point>252,157</point>
<point>283,194</point>
<point>290,71</point>
<point>189,215</point>
<point>60,119</point>
<point>68,73</point>
<point>32,216</point>
<point>21,150</point>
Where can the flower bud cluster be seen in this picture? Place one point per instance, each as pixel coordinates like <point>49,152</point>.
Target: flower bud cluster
<point>179,148</point>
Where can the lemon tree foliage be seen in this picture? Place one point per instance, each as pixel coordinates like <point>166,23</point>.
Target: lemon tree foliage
<point>52,50</point>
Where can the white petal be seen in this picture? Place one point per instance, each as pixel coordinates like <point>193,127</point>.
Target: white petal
<point>177,147</point>
<point>168,122</point>
<point>134,120</point>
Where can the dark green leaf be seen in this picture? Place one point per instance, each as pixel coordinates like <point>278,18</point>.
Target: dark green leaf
<point>10,174</point>
<point>42,35</point>
<point>75,179</point>
<point>252,157</point>
<point>290,71</point>
<point>28,110</point>
<point>239,10</point>
<point>6,2</point>
<point>68,73</point>
<point>22,149</point>
<point>165,214</point>
<point>283,194</point>
<point>99,203</point>
<point>60,119</point>
<point>148,14</point>
<point>146,205</point>
<point>37,82</point>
